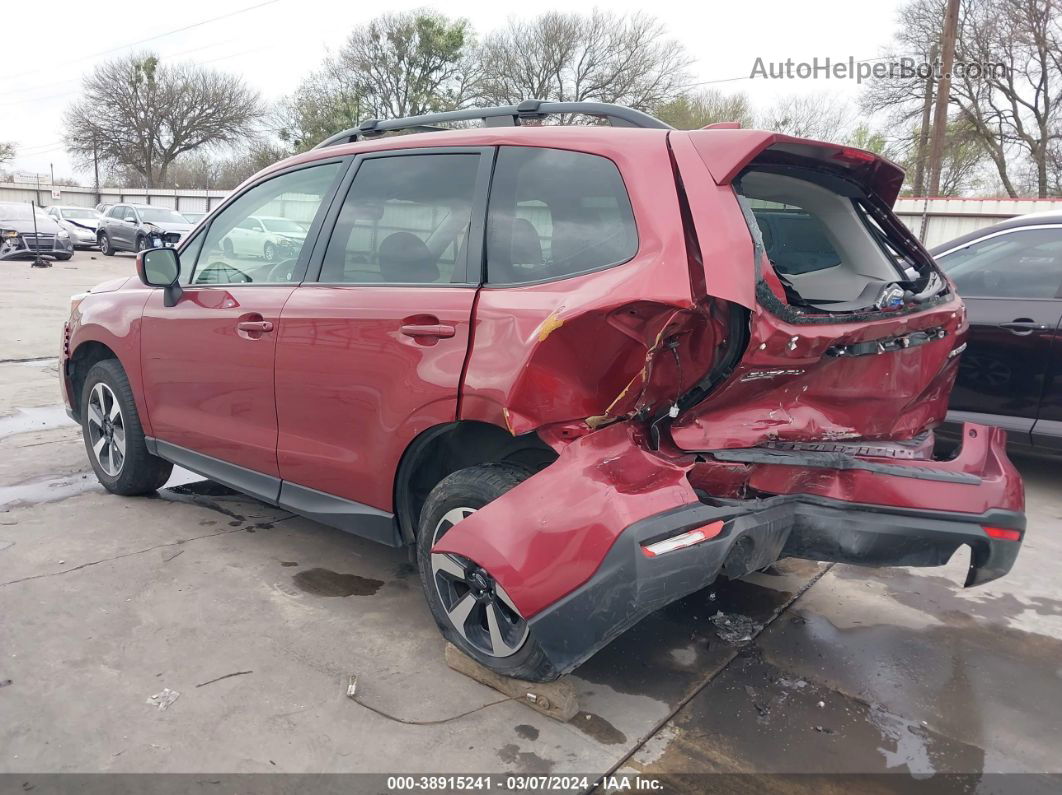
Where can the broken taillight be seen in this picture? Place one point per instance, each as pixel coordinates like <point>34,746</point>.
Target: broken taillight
<point>683,540</point>
<point>1003,533</point>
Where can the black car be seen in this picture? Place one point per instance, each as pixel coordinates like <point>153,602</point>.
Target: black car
<point>1010,375</point>
<point>24,237</point>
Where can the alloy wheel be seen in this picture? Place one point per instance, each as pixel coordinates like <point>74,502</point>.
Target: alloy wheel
<point>477,606</point>
<point>106,429</point>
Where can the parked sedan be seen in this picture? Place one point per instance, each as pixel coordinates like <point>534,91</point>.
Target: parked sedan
<point>271,238</point>
<point>1010,375</point>
<point>23,237</point>
<point>80,223</point>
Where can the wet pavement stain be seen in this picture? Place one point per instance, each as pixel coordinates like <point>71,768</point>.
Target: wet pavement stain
<point>41,418</point>
<point>597,727</point>
<point>754,718</point>
<point>525,761</point>
<point>670,653</point>
<point>974,682</point>
<point>527,731</point>
<point>35,492</point>
<point>323,582</point>
<point>288,563</point>
<point>942,595</point>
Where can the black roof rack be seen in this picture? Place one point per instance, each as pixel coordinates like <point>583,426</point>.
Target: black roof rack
<point>504,116</point>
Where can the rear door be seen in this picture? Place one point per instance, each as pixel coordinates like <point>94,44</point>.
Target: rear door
<point>208,360</point>
<point>1010,281</point>
<point>371,347</point>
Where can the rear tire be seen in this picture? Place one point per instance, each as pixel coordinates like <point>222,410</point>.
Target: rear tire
<point>493,633</point>
<point>106,249</point>
<point>114,438</point>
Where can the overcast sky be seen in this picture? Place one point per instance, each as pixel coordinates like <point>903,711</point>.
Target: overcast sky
<point>47,47</point>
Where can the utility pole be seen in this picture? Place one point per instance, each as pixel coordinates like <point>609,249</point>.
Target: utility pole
<point>923,132</point>
<point>940,115</point>
<point>51,170</point>
<point>96,168</point>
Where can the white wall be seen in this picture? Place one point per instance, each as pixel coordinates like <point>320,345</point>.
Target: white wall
<point>188,200</point>
<point>947,219</point>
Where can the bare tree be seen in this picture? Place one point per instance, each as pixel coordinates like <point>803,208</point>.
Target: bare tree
<point>408,64</point>
<point>7,152</point>
<point>1006,90</point>
<point>694,110</point>
<point>396,65</point>
<point>602,57</point>
<point>142,115</point>
<point>1019,106</point>
<point>819,116</point>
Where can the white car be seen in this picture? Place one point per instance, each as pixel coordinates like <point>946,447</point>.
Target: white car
<point>79,222</point>
<point>271,238</point>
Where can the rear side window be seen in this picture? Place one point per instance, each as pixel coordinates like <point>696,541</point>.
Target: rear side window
<point>405,220</point>
<point>1022,264</point>
<point>555,214</point>
<point>795,240</point>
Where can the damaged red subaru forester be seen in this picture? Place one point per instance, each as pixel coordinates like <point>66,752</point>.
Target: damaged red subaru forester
<point>583,370</point>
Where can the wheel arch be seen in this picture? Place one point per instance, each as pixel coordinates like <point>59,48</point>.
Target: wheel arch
<point>82,359</point>
<point>444,449</point>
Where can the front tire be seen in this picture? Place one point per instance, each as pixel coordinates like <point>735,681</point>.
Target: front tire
<point>269,252</point>
<point>106,249</point>
<point>474,612</point>
<point>114,438</point>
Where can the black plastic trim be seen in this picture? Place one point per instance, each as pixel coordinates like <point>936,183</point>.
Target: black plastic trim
<point>347,515</point>
<point>343,514</point>
<point>627,586</point>
<point>262,487</point>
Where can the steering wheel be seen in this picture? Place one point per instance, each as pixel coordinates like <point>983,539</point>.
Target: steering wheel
<point>281,272</point>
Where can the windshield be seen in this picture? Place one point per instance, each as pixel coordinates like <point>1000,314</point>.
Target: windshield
<point>160,215</point>
<point>15,212</point>
<point>283,225</point>
<point>89,215</point>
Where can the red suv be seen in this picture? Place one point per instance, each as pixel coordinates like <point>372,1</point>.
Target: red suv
<point>583,370</point>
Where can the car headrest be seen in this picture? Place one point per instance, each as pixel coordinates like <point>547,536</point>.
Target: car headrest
<point>404,257</point>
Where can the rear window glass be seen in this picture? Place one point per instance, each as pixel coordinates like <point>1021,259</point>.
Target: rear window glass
<point>795,240</point>
<point>554,214</point>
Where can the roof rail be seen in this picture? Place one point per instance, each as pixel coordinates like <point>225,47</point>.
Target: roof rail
<point>504,116</point>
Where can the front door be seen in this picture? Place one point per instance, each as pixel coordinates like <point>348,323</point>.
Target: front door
<point>371,354</point>
<point>208,360</point>
<point>1010,282</point>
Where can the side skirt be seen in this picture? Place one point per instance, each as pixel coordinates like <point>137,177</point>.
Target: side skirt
<point>347,515</point>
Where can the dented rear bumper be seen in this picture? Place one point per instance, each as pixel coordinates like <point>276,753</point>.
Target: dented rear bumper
<point>630,585</point>
<point>586,547</point>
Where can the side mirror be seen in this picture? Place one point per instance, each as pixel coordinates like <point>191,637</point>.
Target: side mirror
<point>161,267</point>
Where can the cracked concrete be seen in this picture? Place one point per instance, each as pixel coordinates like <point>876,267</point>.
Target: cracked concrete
<point>257,618</point>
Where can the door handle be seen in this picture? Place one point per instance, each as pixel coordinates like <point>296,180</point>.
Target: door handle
<point>428,330</point>
<point>1023,326</point>
<point>260,326</point>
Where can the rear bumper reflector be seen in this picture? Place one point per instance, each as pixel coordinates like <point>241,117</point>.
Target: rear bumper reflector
<point>683,540</point>
<point>1003,533</point>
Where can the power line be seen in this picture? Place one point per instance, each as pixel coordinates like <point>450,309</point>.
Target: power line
<point>749,77</point>
<point>154,38</point>
<point>78,79</point>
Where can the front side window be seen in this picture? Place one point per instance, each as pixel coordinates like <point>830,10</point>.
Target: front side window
<point>405,220</point>
<point>1022,264</point>
<point>229,256</point>
<point>554,214</point>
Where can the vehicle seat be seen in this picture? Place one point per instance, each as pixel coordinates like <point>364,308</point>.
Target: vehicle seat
<point>522,248</point>
<point>404,257</point>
